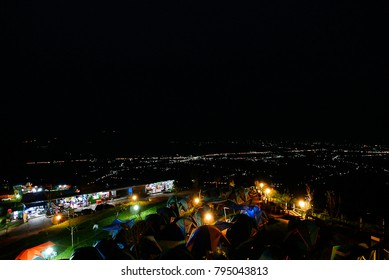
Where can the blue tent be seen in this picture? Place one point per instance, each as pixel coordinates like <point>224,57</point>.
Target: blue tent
<point>116,226</point>
<point>252,211</point>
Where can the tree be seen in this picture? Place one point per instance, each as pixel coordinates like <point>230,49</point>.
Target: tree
<point>333,204</point>
<point>309,196</point>
<point>284,199</point>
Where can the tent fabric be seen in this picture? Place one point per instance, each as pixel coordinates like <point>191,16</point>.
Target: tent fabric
<point>117,225</point>
<point>239,195</point>
<point>31,253</point>
<point>171,200</point>
<point>148,248</point>
<point>86,253</point>
<point>243,227</point>
<point>186,225</point>
<point>171,232</point>
<point>182,206</point>
<point>197,218</point>
<point>110,250</point>
<point>253,211</point>
<point>301,239</point>
<point>179,252</point>
<point>167,214</point>
<point>205,241</point>
<point>155,223</point>
<point>222,225</point>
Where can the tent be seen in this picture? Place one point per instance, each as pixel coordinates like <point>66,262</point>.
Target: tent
<point>117,225</point>
<point>147,248</point>
<point>167,213</point>
<point>179,252</point>
<point>186,225</point>
<point>36,252</point>
<point>155,223</point>
<point>239,195</point>
<point>197,218</point>
<point>252,211</point>
<point>207,242</point>
<point>243,227</point>
<point>301,239</point>
<point>182,206</point>
<point>86,253</point>
<point>172,203</point>
<point>109,249</point>
<point>222,226</point>
<point>171,232</point>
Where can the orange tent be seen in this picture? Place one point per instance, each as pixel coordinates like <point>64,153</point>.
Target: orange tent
<point>205,242</point>
<point>34,252</point>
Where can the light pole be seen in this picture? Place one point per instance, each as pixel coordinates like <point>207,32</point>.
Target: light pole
<point>136,209</point>
<point>208,218</point>
<point>303,206</point>
<point>268,191</point>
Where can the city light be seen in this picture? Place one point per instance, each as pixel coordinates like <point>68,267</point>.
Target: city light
<point>134,197</point>
<point>136,207</point>
<point>302,204</point>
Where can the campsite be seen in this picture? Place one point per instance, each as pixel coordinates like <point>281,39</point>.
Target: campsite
<point>236,226</point>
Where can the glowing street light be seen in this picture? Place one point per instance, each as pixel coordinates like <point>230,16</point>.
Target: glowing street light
<point>134,197</point>
<point>136,207</point>
<point>196,201</point>
<point>267,194</point>
<point>303,206</point>
<point>208,218</point>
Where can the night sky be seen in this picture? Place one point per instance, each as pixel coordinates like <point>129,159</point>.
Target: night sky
<point>188,69</point>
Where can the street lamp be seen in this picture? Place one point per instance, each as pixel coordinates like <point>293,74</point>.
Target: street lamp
<point>196,201</point>
<point>268,191</point>
<point>136,209</point>
<point>303,207</point>
<point>134,197</point>
<point>208,218</point>
<point>261,185</point>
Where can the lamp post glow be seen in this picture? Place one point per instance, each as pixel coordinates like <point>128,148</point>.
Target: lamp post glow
<point>136,210</point>
<point>303,206</point>
<point>208,218</point>
<point>196,201</point>
<point>268,191</point>
<point>134,197</point>
<point>260,188</point>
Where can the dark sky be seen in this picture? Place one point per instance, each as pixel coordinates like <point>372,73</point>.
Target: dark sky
<point>306,69</point>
